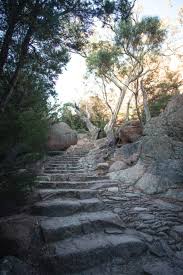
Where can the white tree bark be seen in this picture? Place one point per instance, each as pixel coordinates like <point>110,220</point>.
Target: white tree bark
<point>123,89</point>
<point>94,131</point>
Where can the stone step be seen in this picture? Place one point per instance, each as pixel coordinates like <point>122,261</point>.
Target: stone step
<point>55,229</point>
<point>71,158</point>
<point>67,193</point>
<point>78,177</point>
<point>62,162</point>
<point>62,208</point>
<point>100,185</point>
<point>94,185</point>
<point>83,252</point>
<point>63,171</point>
<point>70,177</point>
<point>64,166</point>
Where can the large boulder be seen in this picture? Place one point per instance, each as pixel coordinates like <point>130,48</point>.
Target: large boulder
<point>160,163</point>
<point>61,137</point>
<point>129,132</point>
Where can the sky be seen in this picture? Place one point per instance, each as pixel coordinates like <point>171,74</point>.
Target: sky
<point>71,84</point>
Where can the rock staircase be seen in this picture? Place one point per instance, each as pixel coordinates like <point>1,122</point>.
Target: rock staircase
<point>82,234</point>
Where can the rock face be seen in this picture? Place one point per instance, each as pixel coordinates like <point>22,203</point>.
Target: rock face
<point>130,132</point>
<point>160,161</point>
<point>61,137</point>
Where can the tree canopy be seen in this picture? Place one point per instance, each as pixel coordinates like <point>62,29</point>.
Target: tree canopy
<point>128,57</point>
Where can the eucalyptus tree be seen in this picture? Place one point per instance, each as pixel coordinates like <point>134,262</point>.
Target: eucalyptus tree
<point>128,57</point>
<point>28,26</point>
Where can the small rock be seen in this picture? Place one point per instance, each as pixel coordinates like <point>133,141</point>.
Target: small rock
<point>113,189</point>
<point>113,231</point>
<point>132,195</point>
<point>117,198</point>
<point>139,209</point>
<point>146,216</point>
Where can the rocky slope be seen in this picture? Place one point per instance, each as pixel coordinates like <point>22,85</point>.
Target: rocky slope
<point>156,160</point>
<point>83,223</point>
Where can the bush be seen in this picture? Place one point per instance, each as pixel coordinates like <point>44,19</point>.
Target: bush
<point>68,116</point>
<point>22,143</point>
<point>16,185</point>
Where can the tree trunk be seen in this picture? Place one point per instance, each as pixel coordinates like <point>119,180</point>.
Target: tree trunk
<point>137,109</point>
<point>94,131</point>
<point>14,79</point>
<point>123,88</point>
<point>15,16</point>
<point>109,126</point>
<point>145,102</point>
<point>128,109</point>
<point>5,47</point>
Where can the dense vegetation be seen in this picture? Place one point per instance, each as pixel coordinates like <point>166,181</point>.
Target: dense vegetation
<point>36,38</point>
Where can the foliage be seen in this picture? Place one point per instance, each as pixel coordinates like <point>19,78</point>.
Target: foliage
<point>160,84</point>
<point>68,116</point>
<point>169,82</point>
<point>158,104</point>
<point>93,107</point>
<point>16,185</point>
<point>141,37</point>
<point>97,111</point>
<point>133,43</point>
<point>127,58</point>
<point>161,89</point>
<point>102,59</point>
